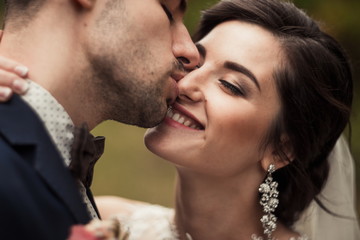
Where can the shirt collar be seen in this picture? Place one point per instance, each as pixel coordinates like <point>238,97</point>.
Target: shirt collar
<point>56,120</point>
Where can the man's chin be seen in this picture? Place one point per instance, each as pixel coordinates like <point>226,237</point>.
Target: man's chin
<point>150,123</point>
<point>148,119</point>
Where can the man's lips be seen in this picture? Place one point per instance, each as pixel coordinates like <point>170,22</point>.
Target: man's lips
<point>174,92</point>
<point>182,116</point>
<point>175,77</point>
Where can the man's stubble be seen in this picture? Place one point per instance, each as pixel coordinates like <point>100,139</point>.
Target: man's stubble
<point>124,75</point>
<point>125,94</point>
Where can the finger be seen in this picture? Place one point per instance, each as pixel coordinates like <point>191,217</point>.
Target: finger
<point>11,80</point>
<point>13,66</point>
<point>5,94</point>
<point>20,86</point>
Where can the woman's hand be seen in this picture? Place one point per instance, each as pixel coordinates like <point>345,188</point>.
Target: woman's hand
<point>12,78</point>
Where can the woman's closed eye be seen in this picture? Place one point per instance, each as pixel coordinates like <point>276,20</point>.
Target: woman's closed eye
<point>235,90</point>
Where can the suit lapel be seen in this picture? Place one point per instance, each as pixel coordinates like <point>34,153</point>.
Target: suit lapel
<point>91,198</point>
<point>22,127</point>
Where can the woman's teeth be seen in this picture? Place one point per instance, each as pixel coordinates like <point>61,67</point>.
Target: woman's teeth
<point>184,120</point>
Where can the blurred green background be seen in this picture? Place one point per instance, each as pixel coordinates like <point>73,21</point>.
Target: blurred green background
<point>129,170</point>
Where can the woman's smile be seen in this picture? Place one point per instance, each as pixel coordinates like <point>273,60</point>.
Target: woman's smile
<point>178,116</point>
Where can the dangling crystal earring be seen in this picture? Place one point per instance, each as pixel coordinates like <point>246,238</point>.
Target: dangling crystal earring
<point>269,201</point>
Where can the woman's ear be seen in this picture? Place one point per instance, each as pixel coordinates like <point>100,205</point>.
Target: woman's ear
<point>272,156</point>
<point>88,4</point>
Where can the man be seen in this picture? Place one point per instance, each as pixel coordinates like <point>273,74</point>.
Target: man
<point>90,60</point>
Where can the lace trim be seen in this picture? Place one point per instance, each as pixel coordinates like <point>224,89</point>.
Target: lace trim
<point>156,223</point>
<point>303,237</point>
<point>255,237</point>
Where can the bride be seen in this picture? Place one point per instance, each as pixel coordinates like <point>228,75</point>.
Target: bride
<point>251,130</point>
<point>252,127</point>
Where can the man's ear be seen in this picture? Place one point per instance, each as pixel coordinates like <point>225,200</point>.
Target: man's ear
<point>272,157</point>
<point>86,3</point>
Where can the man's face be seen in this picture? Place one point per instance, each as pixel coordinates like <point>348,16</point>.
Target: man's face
<point>132,48</point>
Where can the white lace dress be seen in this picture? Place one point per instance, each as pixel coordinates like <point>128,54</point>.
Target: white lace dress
<point>150,222</point>
<point>154,222</point>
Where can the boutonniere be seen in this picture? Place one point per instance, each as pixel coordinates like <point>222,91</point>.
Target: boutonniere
<point>99,230</point>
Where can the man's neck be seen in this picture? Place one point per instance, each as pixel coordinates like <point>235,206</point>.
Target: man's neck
<point>53,55</point>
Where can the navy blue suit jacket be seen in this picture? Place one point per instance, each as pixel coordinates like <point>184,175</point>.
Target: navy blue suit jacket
<point>39,198</point>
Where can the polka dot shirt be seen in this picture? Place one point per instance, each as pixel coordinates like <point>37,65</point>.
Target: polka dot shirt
<point>59,126</point>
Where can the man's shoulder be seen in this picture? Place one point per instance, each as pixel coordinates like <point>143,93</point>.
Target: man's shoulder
<point>21,132</point>
<point>19,120</point>
<point>16,110</point>
<point>15,102</point>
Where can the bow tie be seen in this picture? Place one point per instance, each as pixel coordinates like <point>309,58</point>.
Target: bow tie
<point>85,152</point>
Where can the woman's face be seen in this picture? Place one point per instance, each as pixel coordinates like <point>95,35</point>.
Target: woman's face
<point>226,106</point>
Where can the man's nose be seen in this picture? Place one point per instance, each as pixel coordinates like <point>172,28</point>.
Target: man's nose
<point>184,49</point>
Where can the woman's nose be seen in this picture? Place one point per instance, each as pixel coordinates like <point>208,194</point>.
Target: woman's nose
<point>183,47</point>
<point>191,87</point>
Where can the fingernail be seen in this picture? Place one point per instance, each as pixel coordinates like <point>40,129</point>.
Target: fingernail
<point>22,70</point>
<point>5,92</point>
<point>20,86</point>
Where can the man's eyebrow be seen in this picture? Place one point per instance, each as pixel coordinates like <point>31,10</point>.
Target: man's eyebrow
<point>201,50</point>
<point>240,68</point>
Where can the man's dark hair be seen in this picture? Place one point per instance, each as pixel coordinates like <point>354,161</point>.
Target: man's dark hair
<point>315,86</point>
<point>18,13</point>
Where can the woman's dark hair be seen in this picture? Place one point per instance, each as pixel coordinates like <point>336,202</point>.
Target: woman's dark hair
<point>315,86</point>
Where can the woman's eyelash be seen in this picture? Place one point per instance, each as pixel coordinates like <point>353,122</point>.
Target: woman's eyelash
<point>235,90</point>
<point>168,13</point>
